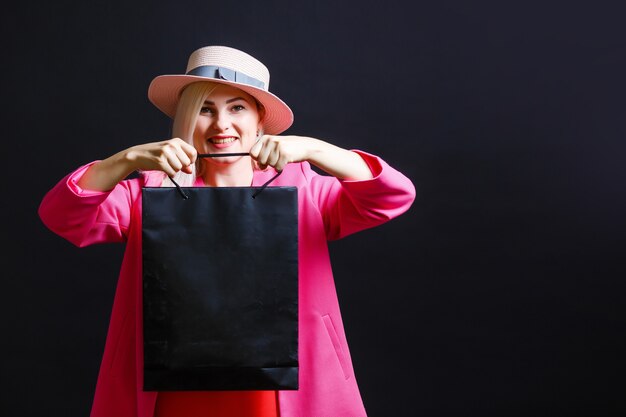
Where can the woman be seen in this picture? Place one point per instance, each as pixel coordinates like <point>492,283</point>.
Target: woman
<point>223,105</point>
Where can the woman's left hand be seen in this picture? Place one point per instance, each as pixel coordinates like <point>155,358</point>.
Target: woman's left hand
<point>278,151</point>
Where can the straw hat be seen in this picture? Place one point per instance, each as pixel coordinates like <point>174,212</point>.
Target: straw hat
<point>224,65</point>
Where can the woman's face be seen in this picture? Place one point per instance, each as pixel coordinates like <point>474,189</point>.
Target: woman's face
<point>228,122</point>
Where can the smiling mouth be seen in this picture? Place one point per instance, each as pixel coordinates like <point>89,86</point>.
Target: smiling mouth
<point>221,141</point>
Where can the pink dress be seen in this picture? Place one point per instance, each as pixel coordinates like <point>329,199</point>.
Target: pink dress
<point>328,209</point>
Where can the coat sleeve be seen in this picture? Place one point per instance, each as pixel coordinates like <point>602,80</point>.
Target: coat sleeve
<point>86,217</point>
<point>351,206</point>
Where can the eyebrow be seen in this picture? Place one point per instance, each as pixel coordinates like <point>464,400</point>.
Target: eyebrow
<point>227,101</point>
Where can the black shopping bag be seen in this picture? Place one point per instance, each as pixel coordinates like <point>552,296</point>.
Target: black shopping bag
<point>220,288</point>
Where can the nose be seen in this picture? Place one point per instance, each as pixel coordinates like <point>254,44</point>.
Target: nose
<point>221,121</point>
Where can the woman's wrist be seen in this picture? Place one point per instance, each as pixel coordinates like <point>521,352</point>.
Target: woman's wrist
<point>336,161</point>
<point>105,174</point>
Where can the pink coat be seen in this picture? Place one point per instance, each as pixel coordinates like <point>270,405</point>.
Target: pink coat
<point>328,209</point>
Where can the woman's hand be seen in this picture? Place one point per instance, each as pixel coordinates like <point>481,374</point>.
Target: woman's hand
<point>278,151</point>
<point>169,156</point>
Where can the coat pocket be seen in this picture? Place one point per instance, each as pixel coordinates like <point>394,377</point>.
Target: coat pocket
<point>334,338</point>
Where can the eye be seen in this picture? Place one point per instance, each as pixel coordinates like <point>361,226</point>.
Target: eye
<point>206,110</point>
<point>237,107</point>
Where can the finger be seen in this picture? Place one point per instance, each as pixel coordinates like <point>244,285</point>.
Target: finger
<point>171,159</point>
<point>281,163</point>
<point>187,169</point>
<point>190,151</point>
<point>183,157</point>
<point>265,151</point>
<point>254,151</point>
<point>273,157</point>
<point>165,167</point>
<point>183,148</point>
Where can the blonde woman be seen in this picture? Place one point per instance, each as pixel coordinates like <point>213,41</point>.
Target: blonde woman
<point>222,104</point>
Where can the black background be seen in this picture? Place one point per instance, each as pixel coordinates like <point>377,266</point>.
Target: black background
<point>500,293</point>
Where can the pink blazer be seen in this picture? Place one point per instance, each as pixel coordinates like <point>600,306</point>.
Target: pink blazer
<point>328,209</point>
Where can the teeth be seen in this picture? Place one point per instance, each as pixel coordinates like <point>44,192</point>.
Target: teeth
<point>222,140</point>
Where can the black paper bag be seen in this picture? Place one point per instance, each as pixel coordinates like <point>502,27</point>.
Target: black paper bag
<point>220,288</point>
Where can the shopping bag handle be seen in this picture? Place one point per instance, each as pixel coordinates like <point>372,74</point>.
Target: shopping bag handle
<point>213,155</point>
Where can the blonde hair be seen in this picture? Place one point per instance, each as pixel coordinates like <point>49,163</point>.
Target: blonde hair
<point>190,102</point>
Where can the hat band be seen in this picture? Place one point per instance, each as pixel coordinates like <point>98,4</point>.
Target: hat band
<point>221,73</point>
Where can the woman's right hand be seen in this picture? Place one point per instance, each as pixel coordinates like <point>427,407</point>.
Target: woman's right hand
<point>169,156</point>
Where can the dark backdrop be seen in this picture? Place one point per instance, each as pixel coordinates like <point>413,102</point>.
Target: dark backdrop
<point>500,293</point>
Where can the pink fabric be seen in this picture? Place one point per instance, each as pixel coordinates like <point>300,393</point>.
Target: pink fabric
<point>328,209</point>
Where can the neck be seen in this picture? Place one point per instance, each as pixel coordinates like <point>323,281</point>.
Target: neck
<point>235,174</point>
